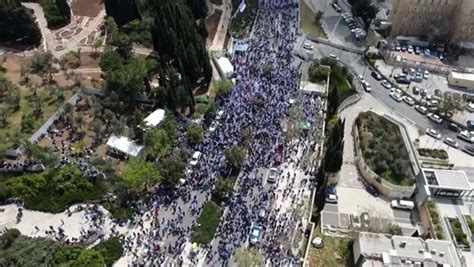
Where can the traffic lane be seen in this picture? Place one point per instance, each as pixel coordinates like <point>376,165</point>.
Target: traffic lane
<point>420,120</point>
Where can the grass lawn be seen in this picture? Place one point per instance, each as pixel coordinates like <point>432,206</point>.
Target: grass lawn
<point>308,22</point>
<point>207,223</point>
<point>383,149</point>
<point>336,252</point>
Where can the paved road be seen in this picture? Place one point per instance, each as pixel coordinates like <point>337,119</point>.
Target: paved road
<point>358,65</point>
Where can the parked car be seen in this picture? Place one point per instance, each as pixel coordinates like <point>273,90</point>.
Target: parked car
<point>454,127</point>
<point>410,101</point>
<point>466,136</point>
<point>433,133</point>
<point>372,190</point>
<point>469,150</point>
<point>367,87</point>
<point>307,45</point>
<point>423,92</point>
<point>426,75</point>
<point>423,110</point>
<point>255,234</point>
<point>403,81</point>
<point>272,175</point>
<point>415,90</point>
<point>376,75</point>
<point>397,97</point>
<point>435,118</point>
<point>336,7</point>
<point>450,142</point>
<point>360,78</point>
<point>410,49</point>
<point>333,56</point>
<point>386,84</point>
<point>402,204</point>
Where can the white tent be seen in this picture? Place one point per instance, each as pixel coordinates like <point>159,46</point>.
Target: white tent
<point>123,145</point>
<point>155,118</point>
<point>225,67</point>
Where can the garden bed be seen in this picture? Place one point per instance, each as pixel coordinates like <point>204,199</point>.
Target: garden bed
<point>207,223</point>
<point>433,153</point>
<point>458,233</point>
<point>435,219</point>
<point>383,149</point>
<point>470,223</point>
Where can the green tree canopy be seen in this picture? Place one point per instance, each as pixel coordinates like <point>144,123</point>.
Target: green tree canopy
<point>139,174</point>
<point>195,133</point>
<point>224,87</point>
<point>17,24</point>
<point>235,155</point>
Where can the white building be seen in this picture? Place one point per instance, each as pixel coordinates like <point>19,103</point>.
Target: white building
<point>226,69</point>
<point>121,145</point>
<point>378,250</point>
<point>155,118</point>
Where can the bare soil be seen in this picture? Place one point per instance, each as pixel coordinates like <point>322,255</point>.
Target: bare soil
<point>87,8</point>
<point>212,22</point>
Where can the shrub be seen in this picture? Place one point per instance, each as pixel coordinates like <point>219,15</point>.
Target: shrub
<point>56,12</point>
<point>207,223</point>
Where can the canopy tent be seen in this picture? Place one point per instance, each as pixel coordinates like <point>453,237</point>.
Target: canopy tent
<point>225,67</point>
<point>305,126</point>
<point>240,47</point>
<point>123,145</point>
<point>155,118</point>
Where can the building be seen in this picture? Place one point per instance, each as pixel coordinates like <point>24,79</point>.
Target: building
<point>380,250</point>
<point>434,19</point>
<point>121,145</point>
<point>155,118</point>
<point>446,183</point>
<point>459,79</point>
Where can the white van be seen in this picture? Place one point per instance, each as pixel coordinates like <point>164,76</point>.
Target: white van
<point>402,204</point>
<point>195,159</point>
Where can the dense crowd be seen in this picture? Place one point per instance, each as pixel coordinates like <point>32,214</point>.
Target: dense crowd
<point>266,79</point>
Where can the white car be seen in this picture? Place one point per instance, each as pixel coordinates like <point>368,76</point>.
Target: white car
<point>450,142</point>
<point>361,79</point>
<point>435,118</point>
<point>410,49</point>
<point>421,109</point>
<point>396,97</point>
<point>307,45</point>
<point>367,87</point>
<point>466,136</point>
<point>386,84</point>
<point>410,101</point>
<point>426,75</point>
<point>433,133</point>
<point>333,56</point>
<point>272,175</point>
<point>331,198</point>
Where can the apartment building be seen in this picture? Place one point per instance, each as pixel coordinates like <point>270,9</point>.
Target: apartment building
<point>437,20</point>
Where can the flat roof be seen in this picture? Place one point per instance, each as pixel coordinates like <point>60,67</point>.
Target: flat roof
<point>380,247</point>
<point>155,118</point>
<point>462,76</point>
<point>125,145</point>
<point>225,65</point>
<point>450,179</point>
<point>313,87</point>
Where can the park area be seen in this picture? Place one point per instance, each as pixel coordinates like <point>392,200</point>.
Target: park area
<point>384,149</point>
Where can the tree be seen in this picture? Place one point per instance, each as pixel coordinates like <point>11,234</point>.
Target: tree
<point>224,87</point>
<point>172,167</point>
<point>17,24</point>
<point>365,10</point>
<point>89,257</point>
<point>123,11</point>
<point>334,147</point>
<point>247,257</point>
<point>199,8</point>
<point>318,74</point>
<point>157,142</point>
<point>42,64</point>
<point>235,156</point>
<point>138,174</point>
<point>195,133</point>
<point>117,126</point>
<point>4,113</point>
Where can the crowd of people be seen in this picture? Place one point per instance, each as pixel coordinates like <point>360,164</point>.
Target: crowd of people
<point>267,76</point>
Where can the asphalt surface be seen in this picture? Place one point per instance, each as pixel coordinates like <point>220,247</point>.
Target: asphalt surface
<point>358,66</point>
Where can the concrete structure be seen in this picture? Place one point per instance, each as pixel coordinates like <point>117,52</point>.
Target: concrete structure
<point>438,19</point>
<point>379,250</point>
<point>446,183</point>
<point>121,145</point>
<point>465,80</point>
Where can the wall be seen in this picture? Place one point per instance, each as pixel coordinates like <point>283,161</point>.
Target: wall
<point>385,188</point>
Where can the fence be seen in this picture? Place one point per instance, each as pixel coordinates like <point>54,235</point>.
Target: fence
<point>327,42</point>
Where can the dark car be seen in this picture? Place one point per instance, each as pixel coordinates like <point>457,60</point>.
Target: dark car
<point>376,76</point>
<point>416,90</point>
<point>454,127</point>
<point>469,150</point>
<point>372,190</point>
<point>403,81</point>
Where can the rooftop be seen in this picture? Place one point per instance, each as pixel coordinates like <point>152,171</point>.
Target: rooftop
<point>462,76</point>
<point>381,250</point>
<point>309,87</point>
<point>155,118</point>
<point>449,179</point>
<point>124,145</point>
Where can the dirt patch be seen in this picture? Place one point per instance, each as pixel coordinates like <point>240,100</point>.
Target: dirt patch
<point>212,22</point>
<point>216,2</point>
<point>87,8</point>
